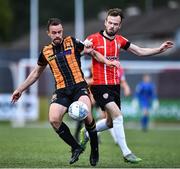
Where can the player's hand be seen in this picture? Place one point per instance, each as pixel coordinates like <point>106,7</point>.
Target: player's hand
<point>127,91</point>
<point>15,96</point>
<point>166,45</point>
<point>88,47</point>
<point>88,43</point>
<point>114,63</point>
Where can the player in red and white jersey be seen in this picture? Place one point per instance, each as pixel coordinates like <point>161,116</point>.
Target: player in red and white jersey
<point>110,49</point>
<point>105,86</point>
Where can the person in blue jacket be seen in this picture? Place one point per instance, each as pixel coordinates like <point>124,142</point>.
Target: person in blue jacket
<point>146,96</point>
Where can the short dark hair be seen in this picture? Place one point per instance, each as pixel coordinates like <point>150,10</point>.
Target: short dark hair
<point>54,22</point>
<point>115,12</point>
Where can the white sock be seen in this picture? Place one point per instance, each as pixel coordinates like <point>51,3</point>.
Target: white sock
<point>101,125</point>
<point>120,135</point>
<point>113,135</point>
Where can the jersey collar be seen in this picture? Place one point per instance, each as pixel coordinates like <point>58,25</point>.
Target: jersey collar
<point>101,33</point>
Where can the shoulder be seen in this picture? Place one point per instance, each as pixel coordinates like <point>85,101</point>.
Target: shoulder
<point>73,39</point>
<point>121,38</point>
<point>47,48</point>
<point>123,42</point>
<point>94,35</point>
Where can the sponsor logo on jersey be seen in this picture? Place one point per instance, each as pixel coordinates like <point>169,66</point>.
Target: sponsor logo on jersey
<point>112,57</point>
<point>60,54</point>
<point>51,57</point>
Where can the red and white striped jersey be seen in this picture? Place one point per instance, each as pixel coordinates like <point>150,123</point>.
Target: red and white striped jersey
<point>101,73</point>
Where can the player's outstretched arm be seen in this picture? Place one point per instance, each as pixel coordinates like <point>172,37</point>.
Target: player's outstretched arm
<point>150,51</point>
<point>33,76</point>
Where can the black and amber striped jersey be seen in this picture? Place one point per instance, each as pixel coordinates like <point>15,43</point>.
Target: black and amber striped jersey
<point>64,61</point>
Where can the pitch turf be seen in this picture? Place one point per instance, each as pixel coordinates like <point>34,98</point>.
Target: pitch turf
<point>41,148</point>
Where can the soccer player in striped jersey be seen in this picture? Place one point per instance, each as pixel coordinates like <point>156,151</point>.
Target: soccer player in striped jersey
<point>106,84</point>
<point>63,57</point>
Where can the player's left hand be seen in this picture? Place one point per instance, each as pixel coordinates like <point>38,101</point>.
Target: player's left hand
<point>114,63</point>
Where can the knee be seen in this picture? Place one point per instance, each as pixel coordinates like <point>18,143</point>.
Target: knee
<point>55,124</point>
<point>54,121</point>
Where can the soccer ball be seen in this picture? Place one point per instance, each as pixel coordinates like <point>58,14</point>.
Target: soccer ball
<point>78,110</point>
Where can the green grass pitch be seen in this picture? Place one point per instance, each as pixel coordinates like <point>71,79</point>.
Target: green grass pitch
<point>40,147</point>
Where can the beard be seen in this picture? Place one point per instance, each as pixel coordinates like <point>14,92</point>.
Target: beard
<point>111,32</point>
<point>57,41</point>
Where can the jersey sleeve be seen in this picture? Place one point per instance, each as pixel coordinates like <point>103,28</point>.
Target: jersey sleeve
<point>79,46</point>
<point>124,42</point>
<point>41,60</point>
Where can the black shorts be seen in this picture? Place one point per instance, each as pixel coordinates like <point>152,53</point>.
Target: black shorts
<point>104,94</point>
<point>68,95</point>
